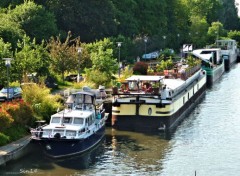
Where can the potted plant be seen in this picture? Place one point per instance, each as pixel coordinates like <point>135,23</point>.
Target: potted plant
<point>155,88</point>
<point>115,87</point>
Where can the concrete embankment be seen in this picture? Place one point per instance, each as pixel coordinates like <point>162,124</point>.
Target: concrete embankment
<point>13,150</point>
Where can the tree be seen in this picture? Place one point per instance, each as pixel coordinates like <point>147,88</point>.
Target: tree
<point>92,20</point>
<point>229,16</point>
<point>5,52</point>
<point>215,31</point>
<point>64,56</point>
<point>30,57</point>
<point>10,31</point>
<point>199,30</point>
<point>102,60</point>
<point>234,35</point>
<point>34,20</point>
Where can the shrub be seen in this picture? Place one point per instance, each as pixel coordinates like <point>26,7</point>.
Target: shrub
<point>43,103</point>
<point>97,77</point>
<point>5,119</point>
<point>21,112</point>
<point>3,139</point>
<point>16,132</point>
<point>140,68</point>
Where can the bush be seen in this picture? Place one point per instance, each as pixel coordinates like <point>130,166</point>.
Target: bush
<point>5,119</point>
<point>3,139</point>
<point>16,132</point>
<point>21,112</point>
<point>43,103</point>
<point>97,77</point>
<point>140,68</point>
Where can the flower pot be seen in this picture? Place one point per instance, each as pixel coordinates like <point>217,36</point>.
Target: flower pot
<point>114,90</point>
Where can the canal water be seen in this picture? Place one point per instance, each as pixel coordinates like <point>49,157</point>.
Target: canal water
<point>206,143</point>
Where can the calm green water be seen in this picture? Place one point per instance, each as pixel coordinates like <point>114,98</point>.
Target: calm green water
<point>206,143</point>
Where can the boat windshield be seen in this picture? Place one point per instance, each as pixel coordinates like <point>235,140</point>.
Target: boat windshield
<point>78,121</point>
<point>56,120</point>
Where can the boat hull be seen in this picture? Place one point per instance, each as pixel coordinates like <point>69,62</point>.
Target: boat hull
<point>229,60</point>
<point>61,148</point>
<point>165,120</point>
<point>213,74</point>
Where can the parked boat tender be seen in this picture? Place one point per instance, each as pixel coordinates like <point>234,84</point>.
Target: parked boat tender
<point>76,129</point>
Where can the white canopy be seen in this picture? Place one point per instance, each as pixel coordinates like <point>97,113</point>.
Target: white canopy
<point>144,78</point>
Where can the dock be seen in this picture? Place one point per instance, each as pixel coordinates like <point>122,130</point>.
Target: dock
<point>13,150</point>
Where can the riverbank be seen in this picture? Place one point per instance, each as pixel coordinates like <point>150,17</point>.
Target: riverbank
<point>13,150</point>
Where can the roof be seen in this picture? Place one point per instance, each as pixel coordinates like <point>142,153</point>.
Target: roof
<point>144,78</point>
<point>205,54</point>
<point>173,83</point>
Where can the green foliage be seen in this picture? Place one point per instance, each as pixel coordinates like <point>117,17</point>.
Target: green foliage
<point>10,30</point>
<point>140,68</point>
<point>234,35</point>
<point>191,61</point>
<point>16,132</point>
<point>97,77</point>
<point>43,103</point>
<point>5,52</point>
<point>103,63</point>
<point>30,58</point>
<point>34,20</point>
<point>5,119</point>
<point>215,31</point>
<point>4,139</point>
<point>92,20</point>
<point>165,65</point>
<point>127,72</point>
<point>81,84</point>
<point>64,56</point>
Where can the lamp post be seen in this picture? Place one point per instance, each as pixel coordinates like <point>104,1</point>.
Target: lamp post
<point>145,42</point>
<point>216,34</point>
<point>119,44</point>
<point>79,50</point>
<point>178,36</point>
<point>8,64</point>
<point>164,38</point>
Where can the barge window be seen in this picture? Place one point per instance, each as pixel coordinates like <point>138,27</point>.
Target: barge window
<point>197,86</point>
<point>78,121</point>
<point>183,100</point>
<point>193,90</point>
<point>55,120</point>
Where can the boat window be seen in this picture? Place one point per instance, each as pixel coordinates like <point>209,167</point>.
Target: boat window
<point>61,132</point>
<point>183,100</point>
<point>88,99</point>
<point>67,120</point>
<point>47,132</point>
<point>55,120</point>
<point>78,121</point>
<point>70,133</point>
